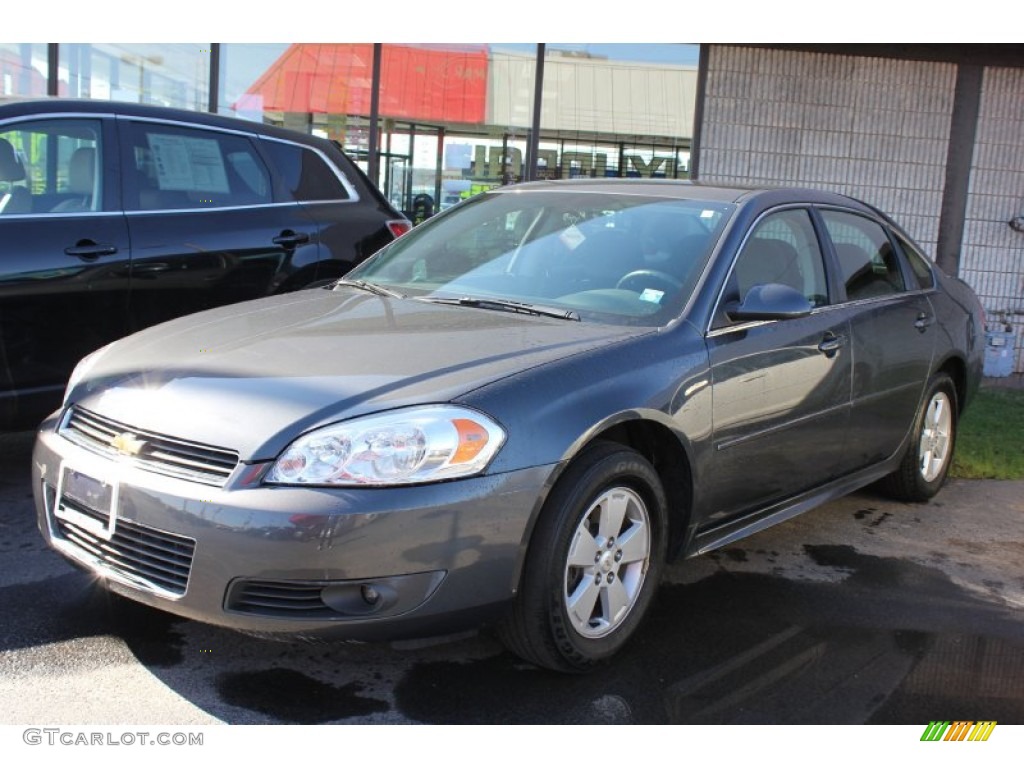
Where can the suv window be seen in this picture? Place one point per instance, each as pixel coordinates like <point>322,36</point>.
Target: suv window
<point>51,166</point>
<point>172,167</point>
<point>867,258</point>
<point>304,173</point>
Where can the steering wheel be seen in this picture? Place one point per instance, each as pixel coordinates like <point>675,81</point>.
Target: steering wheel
<point>640,279</point>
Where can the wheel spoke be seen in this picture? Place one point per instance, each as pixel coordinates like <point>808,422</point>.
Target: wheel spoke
<point>634,544</point>
<point>613,511</point>
<point>614,601</point>
<point>581,554</point>
<point>582,601</point>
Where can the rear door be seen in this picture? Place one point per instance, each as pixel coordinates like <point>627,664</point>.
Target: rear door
<point>64,256</point>
<point>892,335</point>
<point>206,226</point>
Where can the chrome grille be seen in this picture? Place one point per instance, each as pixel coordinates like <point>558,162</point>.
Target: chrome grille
<point>158,453</point>
<point>145,556</point>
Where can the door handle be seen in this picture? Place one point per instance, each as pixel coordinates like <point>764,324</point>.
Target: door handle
<point>88,250</point>
<point>923,321</point>
<point>290,239</point>
<point>830,344</point>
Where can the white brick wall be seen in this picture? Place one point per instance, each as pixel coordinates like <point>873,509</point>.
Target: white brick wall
<point>877,129</point>
<point>992,258</point>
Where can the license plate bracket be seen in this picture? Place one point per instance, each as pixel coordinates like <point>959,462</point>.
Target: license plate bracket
<point>87,502</point>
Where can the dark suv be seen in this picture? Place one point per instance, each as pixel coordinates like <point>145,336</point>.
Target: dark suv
<point>114,217</point>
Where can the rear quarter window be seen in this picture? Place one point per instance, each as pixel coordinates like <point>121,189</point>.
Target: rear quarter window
<point>304,174</point>
<point>918,264</point>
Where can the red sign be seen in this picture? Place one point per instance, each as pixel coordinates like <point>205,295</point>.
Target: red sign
<point>435,83</point>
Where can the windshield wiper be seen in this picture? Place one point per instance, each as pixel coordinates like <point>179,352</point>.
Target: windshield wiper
<point>377,290</point>
<point>505,305</point>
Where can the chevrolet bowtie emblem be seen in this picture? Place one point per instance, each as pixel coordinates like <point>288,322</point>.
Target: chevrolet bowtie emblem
<point>127,443</point>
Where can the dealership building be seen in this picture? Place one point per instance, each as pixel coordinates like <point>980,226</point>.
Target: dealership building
<point>932,134</point>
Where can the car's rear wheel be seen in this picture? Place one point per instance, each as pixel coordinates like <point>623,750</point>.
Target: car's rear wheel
<point>594,562</point>
<point>929,456</point>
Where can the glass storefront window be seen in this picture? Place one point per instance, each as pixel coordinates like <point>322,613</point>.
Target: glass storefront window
<point>455,119</point>
<point>23,69</point>
<point>170,75</point>
<point>617,110</point>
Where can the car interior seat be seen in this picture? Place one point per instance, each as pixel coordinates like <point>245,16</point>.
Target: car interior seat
<point>17,199</point>
<point>769,260</point>
<point>862,282</point>
<point>81,178</point>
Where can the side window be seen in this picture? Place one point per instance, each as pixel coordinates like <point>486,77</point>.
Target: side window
<point>305,175</point>
<point>867,258</point>
<point>918,264</point>
<point>51,166</point>
<point>172,167</point>
<point>783,248</point>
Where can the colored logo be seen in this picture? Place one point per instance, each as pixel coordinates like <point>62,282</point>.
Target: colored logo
<point>958,730</point>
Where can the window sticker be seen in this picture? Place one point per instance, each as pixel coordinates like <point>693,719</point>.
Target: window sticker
<point>706,214</point>
<point>572,237</point>
<point>652,295</point>
<point>188,164</point>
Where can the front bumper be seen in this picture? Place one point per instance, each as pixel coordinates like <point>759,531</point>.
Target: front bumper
<point>374,563</point>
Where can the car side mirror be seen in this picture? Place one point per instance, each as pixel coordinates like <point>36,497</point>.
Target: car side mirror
<point>771,301</point>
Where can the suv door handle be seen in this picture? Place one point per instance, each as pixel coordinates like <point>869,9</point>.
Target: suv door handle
<point>88,250</point>
<point>923,321</point>
<point>830,344</point>
<point>290,239</point>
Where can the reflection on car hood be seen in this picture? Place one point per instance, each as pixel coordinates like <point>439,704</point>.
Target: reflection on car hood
<point>251,376</point>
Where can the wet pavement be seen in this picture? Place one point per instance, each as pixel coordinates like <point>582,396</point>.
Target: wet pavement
<point>862,611</point>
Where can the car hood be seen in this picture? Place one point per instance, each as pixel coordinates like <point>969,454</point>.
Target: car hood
<point>252,376</point>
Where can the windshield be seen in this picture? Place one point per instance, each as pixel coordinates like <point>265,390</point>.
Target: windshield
<point>617,258</point>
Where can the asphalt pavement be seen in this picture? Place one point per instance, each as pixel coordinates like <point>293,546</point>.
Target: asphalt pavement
<point>861,611</point>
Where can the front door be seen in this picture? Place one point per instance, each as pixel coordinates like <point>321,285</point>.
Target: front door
<point>781,388</point>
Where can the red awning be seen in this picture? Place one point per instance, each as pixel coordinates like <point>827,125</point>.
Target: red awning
<point>418,82</point>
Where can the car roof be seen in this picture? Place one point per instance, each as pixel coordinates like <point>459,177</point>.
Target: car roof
<point>686,189</point>
<point>27,107</point>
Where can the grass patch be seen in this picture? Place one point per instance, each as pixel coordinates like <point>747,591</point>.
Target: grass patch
<point>991,439</point>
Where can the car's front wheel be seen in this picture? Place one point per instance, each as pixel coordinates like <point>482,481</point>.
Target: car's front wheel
<point>593,564</point>
<point>930,454</point>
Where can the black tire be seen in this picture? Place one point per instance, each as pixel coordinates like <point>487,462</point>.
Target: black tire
<point>540,627</point>
<point>926,463</point>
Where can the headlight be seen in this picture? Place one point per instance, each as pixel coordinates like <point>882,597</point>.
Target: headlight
<point>408,445</point>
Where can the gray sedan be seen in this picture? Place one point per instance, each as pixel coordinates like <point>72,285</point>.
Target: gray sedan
<point>514,415</point>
